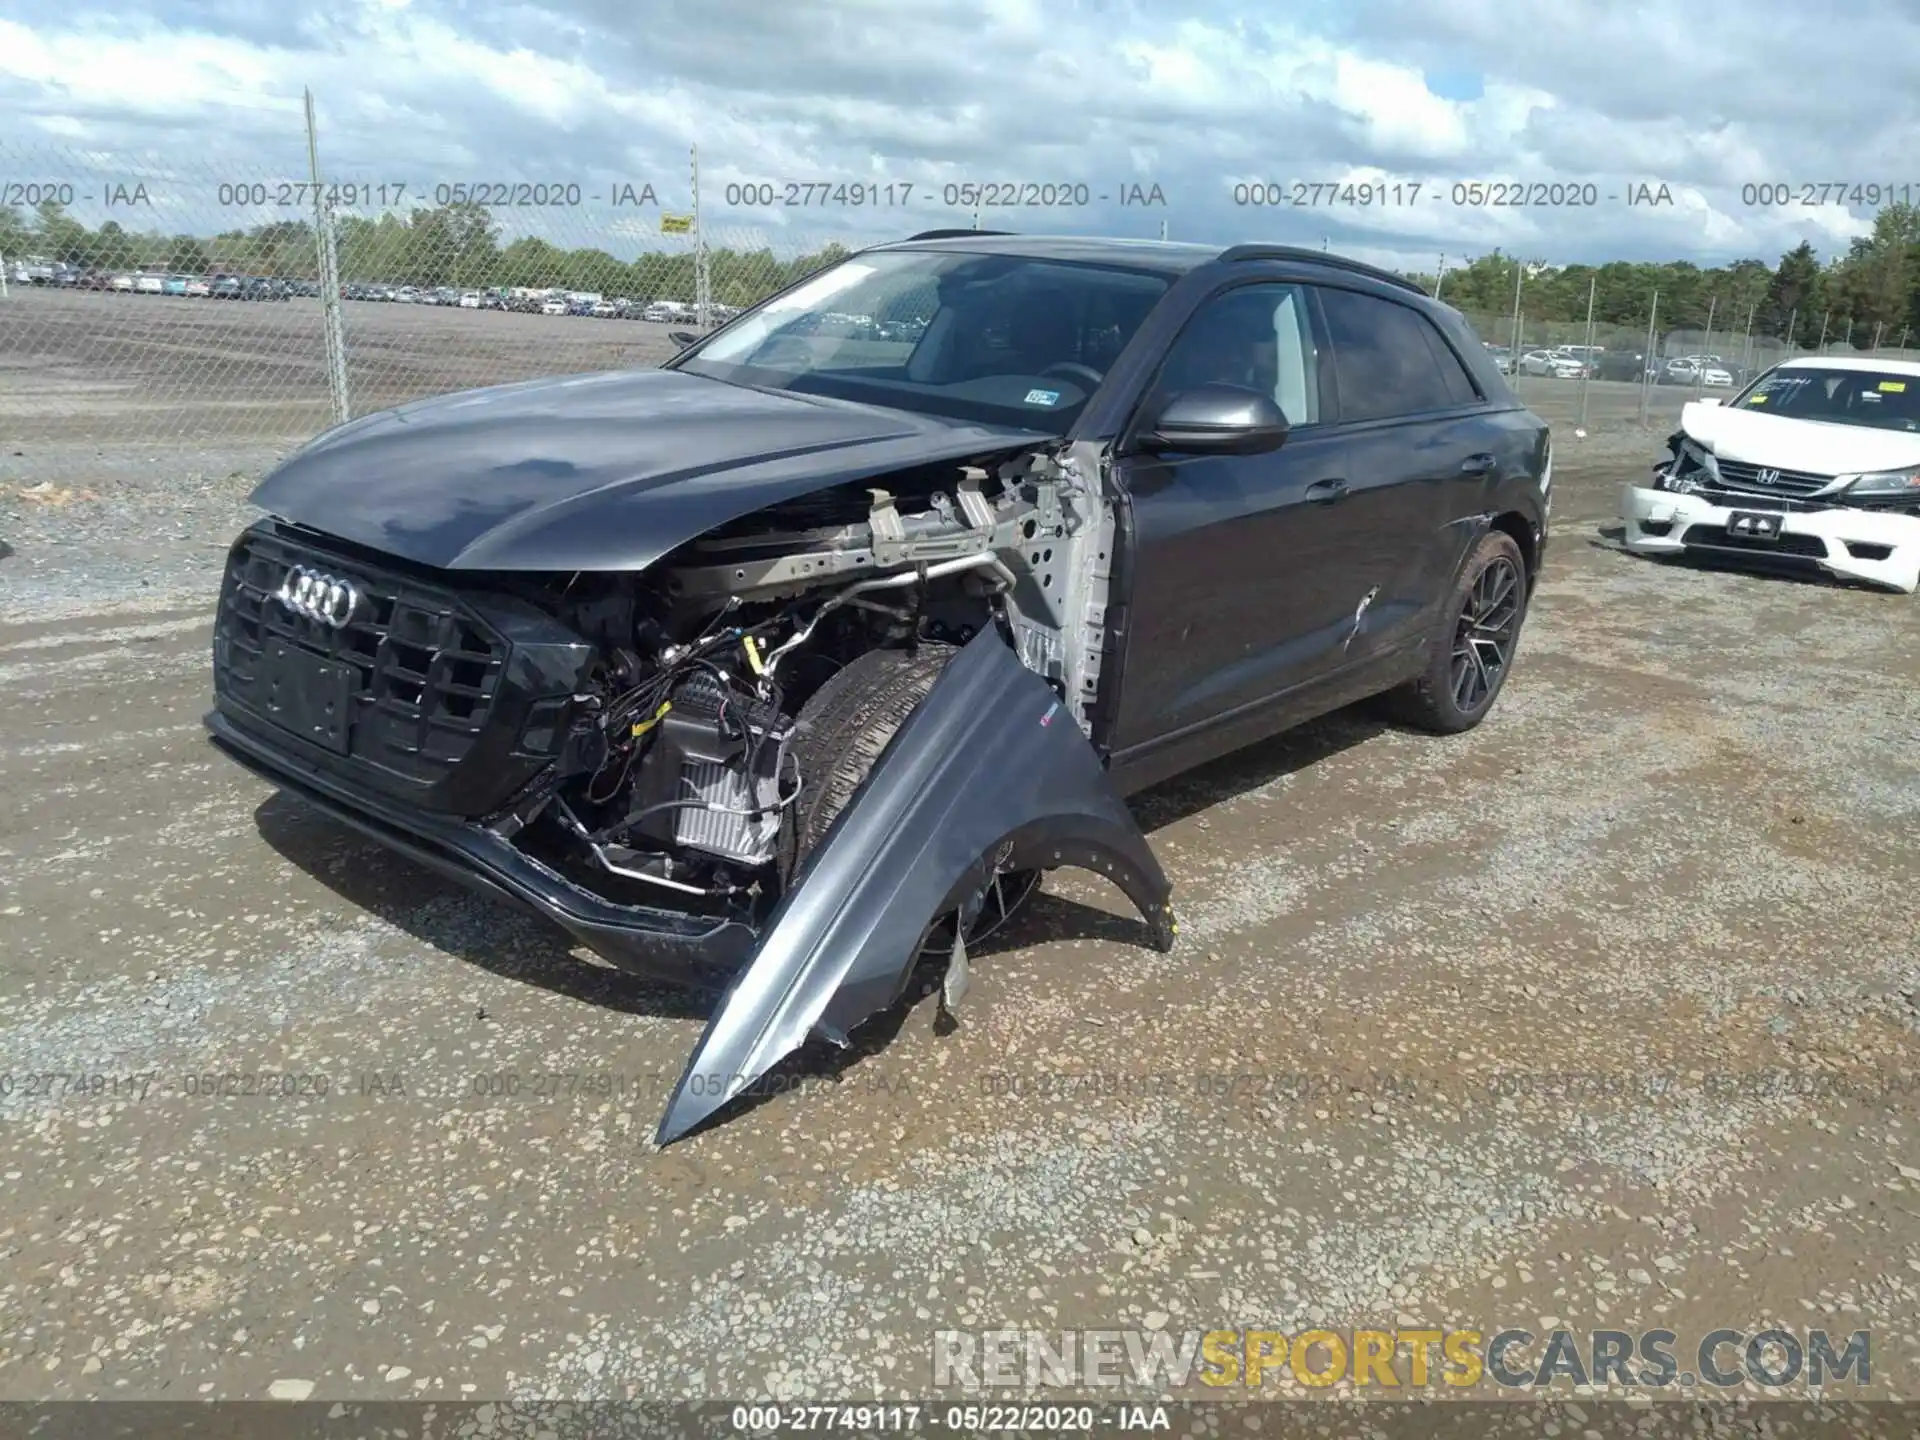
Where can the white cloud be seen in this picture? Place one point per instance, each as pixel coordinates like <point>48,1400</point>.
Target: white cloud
<point>930,92</point>
<point>149,68</point>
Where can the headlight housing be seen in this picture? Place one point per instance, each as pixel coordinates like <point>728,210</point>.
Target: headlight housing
<point>1692,469</point>
<point>1884,482</point>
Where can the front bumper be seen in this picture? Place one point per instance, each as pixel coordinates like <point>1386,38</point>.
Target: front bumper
<point>685,950</point>
<point>1865,545</point>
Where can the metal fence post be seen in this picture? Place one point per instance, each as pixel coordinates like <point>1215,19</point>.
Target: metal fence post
<point>1586,370</point>
<point>328,262</point>
<point>1519,271</point>
<point>1700,374</point>
<point>701,305</point>
<point>1646,367</point>
<point>335,319</point>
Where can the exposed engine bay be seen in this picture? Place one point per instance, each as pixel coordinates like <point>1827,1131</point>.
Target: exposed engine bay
<point>680,774</point>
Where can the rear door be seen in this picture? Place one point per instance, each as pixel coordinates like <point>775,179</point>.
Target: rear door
<point>1413,424</point>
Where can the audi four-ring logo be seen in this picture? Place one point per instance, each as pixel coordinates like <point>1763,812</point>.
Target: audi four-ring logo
<point>326,598</point>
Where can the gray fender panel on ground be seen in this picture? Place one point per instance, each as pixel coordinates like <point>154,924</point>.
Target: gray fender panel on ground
<point>991,763</point>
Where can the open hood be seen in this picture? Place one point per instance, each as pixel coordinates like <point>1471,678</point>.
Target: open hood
<point>592,472</point>
<point>1813,447</point>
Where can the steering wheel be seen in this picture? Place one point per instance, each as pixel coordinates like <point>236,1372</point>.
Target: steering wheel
<point>1074,370</point>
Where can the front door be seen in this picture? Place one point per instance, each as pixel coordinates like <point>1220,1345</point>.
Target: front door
<point>1234,598</point>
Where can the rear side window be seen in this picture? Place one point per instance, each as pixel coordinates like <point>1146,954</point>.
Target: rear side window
<point>1389,360</point>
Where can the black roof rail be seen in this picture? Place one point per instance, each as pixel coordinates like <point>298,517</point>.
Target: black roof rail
<point>1317,257</point>
<point>953,234</point>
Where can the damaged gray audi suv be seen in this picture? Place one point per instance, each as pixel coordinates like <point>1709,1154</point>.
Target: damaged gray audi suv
<point>790,666</point>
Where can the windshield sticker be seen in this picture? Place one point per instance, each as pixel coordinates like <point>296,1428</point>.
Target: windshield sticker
<point>1043,397</point>
<point>1894,387</point>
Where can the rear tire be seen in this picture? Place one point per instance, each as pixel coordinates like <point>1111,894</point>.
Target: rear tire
<point>1473,645</point>
<point>838,737</point>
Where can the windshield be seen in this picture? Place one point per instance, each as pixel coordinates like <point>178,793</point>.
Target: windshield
<point>1878,399</point>
<point>995,339</point>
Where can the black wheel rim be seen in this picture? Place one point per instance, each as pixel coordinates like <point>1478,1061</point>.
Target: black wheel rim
<point>1483,640</point>
<point>1006,893</point>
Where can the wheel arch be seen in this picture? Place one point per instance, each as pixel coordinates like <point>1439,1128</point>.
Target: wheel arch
<point>1526,536</point>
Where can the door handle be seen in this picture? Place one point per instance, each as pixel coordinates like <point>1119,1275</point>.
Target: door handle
<point>1477,464</point>
<point>1325,492</point>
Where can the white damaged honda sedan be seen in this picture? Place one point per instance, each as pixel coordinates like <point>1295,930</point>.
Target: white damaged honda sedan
<point>1814,466</point>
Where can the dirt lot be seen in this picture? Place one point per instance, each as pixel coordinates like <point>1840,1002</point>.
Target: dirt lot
<point>1602,1016</point>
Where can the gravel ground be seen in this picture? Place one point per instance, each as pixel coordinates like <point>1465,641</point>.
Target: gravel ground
<point>1601,1016</point>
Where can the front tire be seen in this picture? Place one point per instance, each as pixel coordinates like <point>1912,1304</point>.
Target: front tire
<point>1473,644</point>
<point>838,737</point>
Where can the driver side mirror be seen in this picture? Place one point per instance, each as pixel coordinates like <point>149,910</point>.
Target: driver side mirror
<point>1217,420</point>
<point>682,338</point>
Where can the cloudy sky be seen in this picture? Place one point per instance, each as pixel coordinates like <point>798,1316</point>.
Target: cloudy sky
<point>1194,96</point>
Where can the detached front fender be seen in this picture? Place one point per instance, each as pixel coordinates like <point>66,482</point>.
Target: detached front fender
<point>989,772</point>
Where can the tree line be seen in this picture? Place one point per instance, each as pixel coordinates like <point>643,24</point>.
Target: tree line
<point>1873,286</point>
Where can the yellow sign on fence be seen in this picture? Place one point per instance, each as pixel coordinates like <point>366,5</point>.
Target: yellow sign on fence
<point>675,224</point>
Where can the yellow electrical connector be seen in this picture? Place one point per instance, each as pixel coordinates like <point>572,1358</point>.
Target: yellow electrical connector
<point>752,647</point>
<point>642,726</point>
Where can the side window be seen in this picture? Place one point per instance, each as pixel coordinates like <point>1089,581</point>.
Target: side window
<point>1259,337</point>
<point>1389,360</point>
<point>1459,381</point>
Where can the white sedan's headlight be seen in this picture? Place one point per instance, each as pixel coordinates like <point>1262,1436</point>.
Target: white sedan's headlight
<point>1692,470</point>
<point>1884,482</point>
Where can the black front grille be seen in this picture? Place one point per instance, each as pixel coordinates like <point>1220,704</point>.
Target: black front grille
<point>1717,537</point>
<point>1766,481</point>
<point>431,712</point>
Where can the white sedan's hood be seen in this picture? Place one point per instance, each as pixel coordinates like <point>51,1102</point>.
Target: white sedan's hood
<point>1813,447</point>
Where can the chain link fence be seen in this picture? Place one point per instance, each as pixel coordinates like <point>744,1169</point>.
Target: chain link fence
<point>167,298</point>
<point>1641,372</point>
<point>184,300</point>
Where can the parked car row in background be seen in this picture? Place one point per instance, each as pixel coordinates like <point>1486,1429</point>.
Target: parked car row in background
<point>1576,362</point>
<point>1709,371</point>
<point>218,286</point>
<point>538,301</point>
<point>223,286</point>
